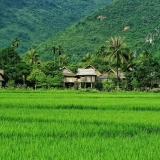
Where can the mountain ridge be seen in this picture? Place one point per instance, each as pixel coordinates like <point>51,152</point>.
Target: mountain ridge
<point>35,21</point>
<point>87,35</point>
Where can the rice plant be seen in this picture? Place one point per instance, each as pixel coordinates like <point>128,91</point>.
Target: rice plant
<point>79,125</point>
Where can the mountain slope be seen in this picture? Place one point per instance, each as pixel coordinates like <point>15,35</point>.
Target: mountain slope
<point>138,21</point>
<point>35,21</point>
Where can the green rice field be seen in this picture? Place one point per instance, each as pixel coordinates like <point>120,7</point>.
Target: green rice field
<point>74,125</point>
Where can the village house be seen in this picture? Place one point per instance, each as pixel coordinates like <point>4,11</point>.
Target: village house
<point>69,78</point>
<point>86,78</point>
<point>111,73</point>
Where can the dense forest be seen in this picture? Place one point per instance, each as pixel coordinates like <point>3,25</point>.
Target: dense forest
<point>137,21</point>
<point>35,21</point>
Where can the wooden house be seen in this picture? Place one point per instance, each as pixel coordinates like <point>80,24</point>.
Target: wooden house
<point>107,74</point>
<point>69,78</point>
<point>1,78</point>
<point>86,78</point>
<point>111,73</point>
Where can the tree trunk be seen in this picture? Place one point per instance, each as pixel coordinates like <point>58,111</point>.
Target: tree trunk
<point>117,74</point>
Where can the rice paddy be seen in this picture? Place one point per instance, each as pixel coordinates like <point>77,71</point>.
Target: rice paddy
<point>68,125</point>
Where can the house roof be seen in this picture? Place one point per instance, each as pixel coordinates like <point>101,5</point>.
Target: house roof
<point>121,74</point>
<point>110,70</point>
<point>67,72</point>
<point>1,71</point>
<point>86,72</point>
<point>92,67</point>
<point>1,79</point>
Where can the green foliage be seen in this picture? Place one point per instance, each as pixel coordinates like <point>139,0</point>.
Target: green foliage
<point>51,68</point>
<point>109,85</point>
<point>146,74</point>
<point>85,36</point>
<point>34,22</point>
<point>36,77</point>
<point>10,84</point>
<point>31,57</point>
<point>11,63</point>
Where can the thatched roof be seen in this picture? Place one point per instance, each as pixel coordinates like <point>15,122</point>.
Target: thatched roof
<point>113,73</point>
<point>92,67</point>
<point>86,72</point>
<point>109,71</point>
<point>67,72</point>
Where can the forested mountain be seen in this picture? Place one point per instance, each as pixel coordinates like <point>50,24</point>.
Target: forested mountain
<point>33,21</point>
<point>138,21</point>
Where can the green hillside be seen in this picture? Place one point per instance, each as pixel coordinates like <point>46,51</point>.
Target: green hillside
<point>35,21</point>
<point>138,21</point>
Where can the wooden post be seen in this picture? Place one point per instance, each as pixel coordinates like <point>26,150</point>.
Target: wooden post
<point>91,81</point>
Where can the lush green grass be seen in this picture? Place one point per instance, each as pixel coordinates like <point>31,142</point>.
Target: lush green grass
<point>79,125</point>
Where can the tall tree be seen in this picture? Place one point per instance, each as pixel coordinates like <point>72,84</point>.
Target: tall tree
<point>146,74</point>
<point>31,57</point>
<point>60,50</point>
<point>87,57</point>
<point>54,49</point>
<point>102,51</point>
<point>52,71</point>
<point>36,77</point>
<point>131,63</point>
<point>117,52</point>
<point>63,60</point>
<point>14,68</point>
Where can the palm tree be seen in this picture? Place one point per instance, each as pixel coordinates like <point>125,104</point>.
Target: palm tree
<point>102,51</point>
<point>117,53</point>
<point>145,54</point>
<point>87,57</point>
<point>31,57</point>
<point>64,59</point>
<point>60,50</point>
<point>131,63</point>
<point>54,49</point>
